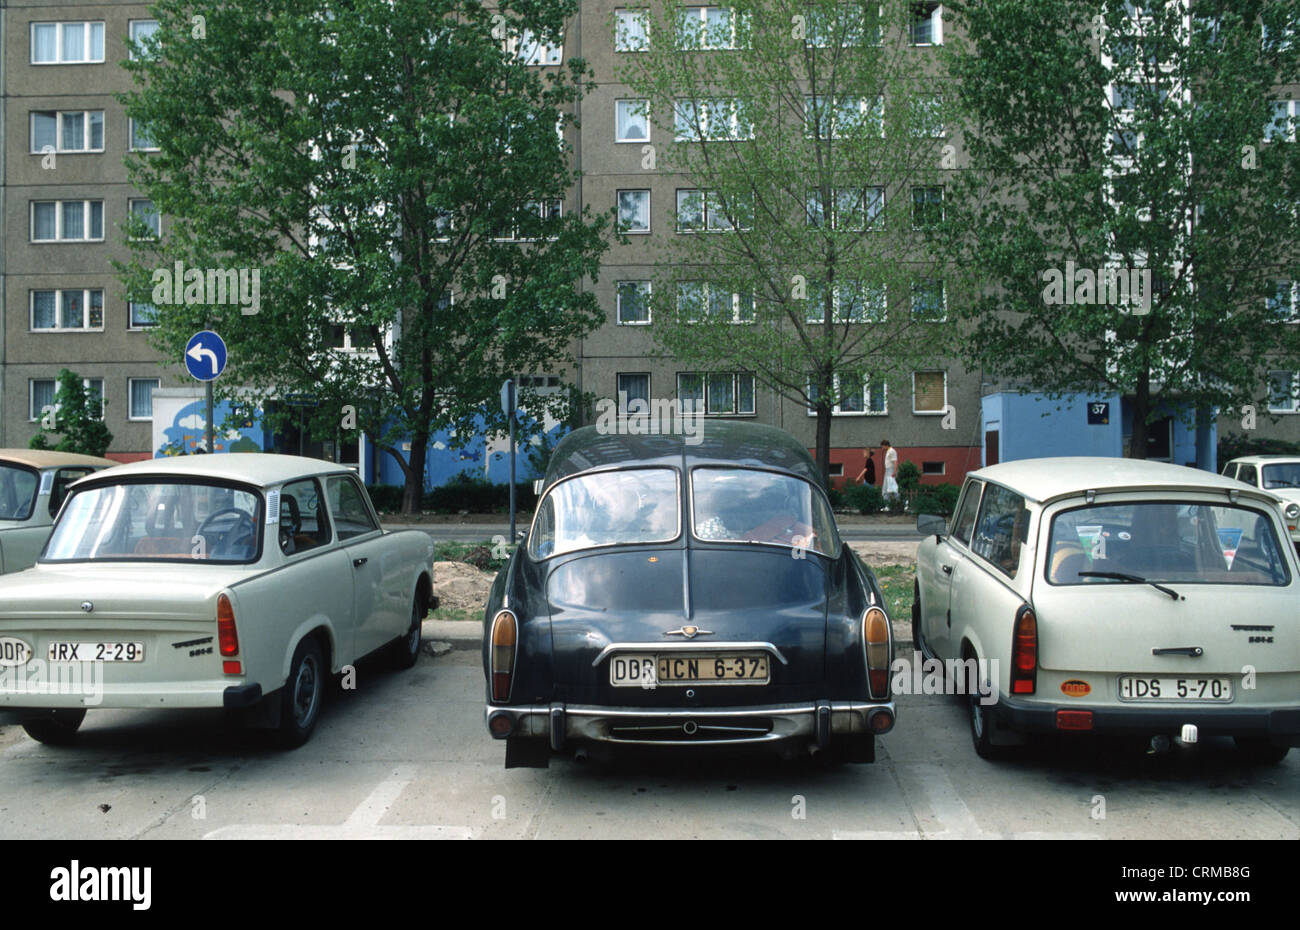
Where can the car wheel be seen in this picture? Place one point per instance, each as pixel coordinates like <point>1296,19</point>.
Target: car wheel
<point>406,650</point>
<point>916,615</point>
<point>302,694</point>
<point>981,721</point>
<point>1260,750</point>
<point>55,727</point>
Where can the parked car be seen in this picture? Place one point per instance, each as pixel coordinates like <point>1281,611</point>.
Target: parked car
<point>674,594</point>
<point>1277,474</point>
<point>33,484</point>
<point>1114,596</point>
<point>236,581</point>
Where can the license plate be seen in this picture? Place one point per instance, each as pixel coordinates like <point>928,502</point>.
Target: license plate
<point>688,669</point>
<point>96,652</point>
<point>1166,688</point>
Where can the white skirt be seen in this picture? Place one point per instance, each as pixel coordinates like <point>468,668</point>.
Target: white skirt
<point>891,487</point>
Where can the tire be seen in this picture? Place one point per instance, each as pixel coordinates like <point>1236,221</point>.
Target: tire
<point>1259,750</point>
<point>916,616</point>
<point>302,695</point>
<point>981,724</point>
<point>404,652</point>
<point>55,727</point>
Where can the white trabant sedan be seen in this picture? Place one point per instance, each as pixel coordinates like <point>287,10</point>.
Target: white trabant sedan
<point>1277,474</point>
<point>1112,595</point>
<point>239,581</point>
<point>33,484</point>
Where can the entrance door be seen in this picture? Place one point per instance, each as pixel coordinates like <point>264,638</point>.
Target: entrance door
<point>991,447</point>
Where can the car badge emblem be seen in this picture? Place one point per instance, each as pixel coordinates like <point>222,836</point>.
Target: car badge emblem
<point>87,606</point>
<point>690,632</point>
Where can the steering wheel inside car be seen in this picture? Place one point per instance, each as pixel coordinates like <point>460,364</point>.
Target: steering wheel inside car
<point>228,539</point>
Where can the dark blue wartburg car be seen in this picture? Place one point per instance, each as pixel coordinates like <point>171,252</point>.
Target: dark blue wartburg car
<point>676,593</point>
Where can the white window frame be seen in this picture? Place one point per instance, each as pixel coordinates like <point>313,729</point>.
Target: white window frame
<point>1294,288</point>
<point>618,196</point>
<point>86,383</point>
<point>621,36</point>
<point>645,291</point>
<point>130,139</point>
<point>699,121</point>
<point>814,39</point>
<point>931,102</point>
<point>707,198</point>
<point>936,27</point>
<point>943,294</point>
<point>866,410</point>
<point>58,326</point>
<point>131,214</point>
<point>131,324</point>
<point>735,391</point>
<point>1290,115</point>
<point>619,107</point>
<point>535,53</point>
<point>930,413</point>
<point>86,39</point>
<point>701,13</point>
<point>1294,406</point>
<point>943,203</point>
<point>130,31</point>
<point>58,222</point>
<point>870,109</point>
<point>706,297</point>
<point>871,293</point>
<point>618,387</point>
<point>59,115</point>
<point>130,394</point>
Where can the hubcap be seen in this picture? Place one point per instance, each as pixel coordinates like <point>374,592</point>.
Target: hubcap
<point>305,692</point>
<point>977,718</point>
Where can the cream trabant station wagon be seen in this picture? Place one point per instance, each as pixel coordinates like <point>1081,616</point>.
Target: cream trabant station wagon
<point>238,581</point>
<point>33,484</point>
<point>1112,595</point>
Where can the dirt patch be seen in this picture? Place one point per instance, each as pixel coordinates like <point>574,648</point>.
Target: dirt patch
<point>461,586</point>
<point>877,554</point>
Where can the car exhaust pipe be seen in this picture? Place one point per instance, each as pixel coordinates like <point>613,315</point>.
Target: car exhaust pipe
<point>580,755</point>
<point>1160,744</point>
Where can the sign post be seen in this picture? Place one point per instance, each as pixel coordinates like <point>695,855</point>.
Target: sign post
<point>205,360</point>
<point>508,408</point>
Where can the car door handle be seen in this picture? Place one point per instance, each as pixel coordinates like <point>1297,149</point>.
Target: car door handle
<point>947,569</point>
<point>359,562</point>
<point>1193,651</point>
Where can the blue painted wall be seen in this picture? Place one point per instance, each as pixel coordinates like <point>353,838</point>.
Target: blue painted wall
<point>483,457</point>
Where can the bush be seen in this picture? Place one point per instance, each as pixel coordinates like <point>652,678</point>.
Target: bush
<point>909,478</point>
<point>864,498</point>
<point>463,492</point>
<point>1234,446</point>
<point>836,497</point>
<point>938,499</point>
<point>387,498</point>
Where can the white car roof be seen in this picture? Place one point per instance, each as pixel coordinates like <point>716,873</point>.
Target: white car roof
<point>1048,478</point>
<point>256,468</point>
<point>49,458</point>
<point>1272,459</point>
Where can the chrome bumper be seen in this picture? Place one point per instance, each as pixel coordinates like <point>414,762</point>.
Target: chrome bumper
<point>819,722</point>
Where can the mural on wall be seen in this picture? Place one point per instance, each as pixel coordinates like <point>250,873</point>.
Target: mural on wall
<point>484,456</point>
<point>185,435</point>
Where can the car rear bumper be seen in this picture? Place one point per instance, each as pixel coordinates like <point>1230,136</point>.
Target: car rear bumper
<point>93,694</point>
<point>1279,724</point>
<point>820,722</point>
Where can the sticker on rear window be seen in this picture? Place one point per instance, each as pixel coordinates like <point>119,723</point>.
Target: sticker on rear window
<point>1092,539</point>
<point>1229,540</point>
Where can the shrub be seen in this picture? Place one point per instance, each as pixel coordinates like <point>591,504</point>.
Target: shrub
<point>387,498</point>
<point>463,492</point>
<point>864,498</point>
<point>909,477</point>
<point>1234,446</point>
<point>836,498</point>
<point>939,499</point>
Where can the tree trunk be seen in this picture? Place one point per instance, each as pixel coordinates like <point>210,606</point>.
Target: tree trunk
<point>824,443</point>
<point>413,492</point>
<point>1137,446</point>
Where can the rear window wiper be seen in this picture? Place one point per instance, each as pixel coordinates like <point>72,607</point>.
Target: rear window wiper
<point>1136,579</point>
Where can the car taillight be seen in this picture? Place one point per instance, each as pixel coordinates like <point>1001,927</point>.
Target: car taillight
<point>1024,652</point>
<point>505,633</point>
<point>227,638</point>
<point>875,634</point>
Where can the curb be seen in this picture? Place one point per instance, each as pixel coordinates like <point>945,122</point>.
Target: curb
<point>455,631</point>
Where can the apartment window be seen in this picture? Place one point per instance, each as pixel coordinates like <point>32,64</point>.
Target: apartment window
<point>532,50</point>
<point>140,395</point>
<point>536,215</point>
<point>67,131</point>
<point>1282,303</point>
<point>1283,396</point>
<point>141,30</point>
<point>1282,127</point>
<point>927,24</point>
<point>705,28</point>
<point>631,30</point>
<point>41,391</point>
<point>718,393</point>
<point>632,121</point>
<point>67,220</point>
<point>75,43</point>
<point>633,303</point>
<point>927,118</point>
<point>634,211</point>
<point>851,302</point>
<point>869,401</point>
<point>717,119</point>
<point>704,211</point>
<point>839,117</point>
<point>849,25</point>
<point>141,315</point>
<point>144,217</point>
<point>141,139</point>
<point>633,387</point>
<point>699,300</point>
<point>929,391</point>
<point>927,207</point>
<point>855,208</point>
<point>67,310</point>
<point>929,302</point>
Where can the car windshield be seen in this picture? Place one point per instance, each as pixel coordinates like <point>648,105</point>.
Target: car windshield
<point>18,488</point>
<point>1165,541</point>
<point>1282,475</point>
<point>747,505</point>
<point>637,505</point>
<point>165,520</point>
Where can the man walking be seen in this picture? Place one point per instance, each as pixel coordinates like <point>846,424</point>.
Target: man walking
<point>891,469</point>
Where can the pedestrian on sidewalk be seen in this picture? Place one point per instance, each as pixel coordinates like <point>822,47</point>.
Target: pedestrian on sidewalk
<point>891,469</point>
<point>868,474</point>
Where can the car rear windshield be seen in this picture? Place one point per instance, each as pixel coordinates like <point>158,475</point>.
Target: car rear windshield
<point>18,488</point>
<point>1282,475</point>
<point>1166,541</point>
<point>611,508</point>
<point>167,520</point>
<point>747,505</point>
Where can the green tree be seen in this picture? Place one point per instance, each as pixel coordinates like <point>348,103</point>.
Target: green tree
<point>1129,143</point>
<point>809,136</point>
<point>389,169</point>
<point>76,417</point>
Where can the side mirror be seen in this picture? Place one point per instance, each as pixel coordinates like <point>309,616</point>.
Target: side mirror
<point>927,523</point>
<point>520,535</point>
<point>537,486</point>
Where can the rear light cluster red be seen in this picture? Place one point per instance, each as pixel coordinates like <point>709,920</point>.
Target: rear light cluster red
<point>875,635</point>
<point>1024,652</point>
<point>505,636</point>
<point>227,636</point>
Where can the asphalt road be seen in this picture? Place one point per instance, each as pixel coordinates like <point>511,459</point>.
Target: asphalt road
<point>406,755</point>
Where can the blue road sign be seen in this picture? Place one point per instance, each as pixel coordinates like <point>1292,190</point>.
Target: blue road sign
<point>205,356</point>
